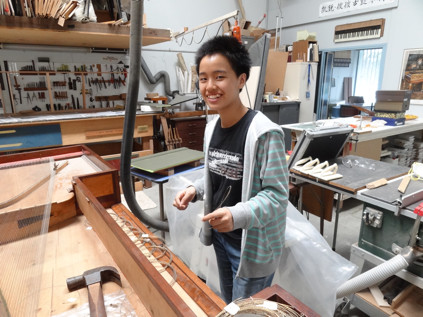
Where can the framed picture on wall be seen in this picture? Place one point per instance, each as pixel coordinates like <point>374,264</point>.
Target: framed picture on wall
<point>412,74</point>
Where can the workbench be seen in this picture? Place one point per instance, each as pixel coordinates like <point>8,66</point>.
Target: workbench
<point>365,142</point>
<point>99,129</point>
<point>160,167</point>
<point>353,179</point>
<point>31,132</point>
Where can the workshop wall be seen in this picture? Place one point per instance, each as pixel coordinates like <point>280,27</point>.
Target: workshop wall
<point>402,31</point>
<point>190,14</point>
<point>162,14</point>
<point>70,59</point>
<point>297,15</point>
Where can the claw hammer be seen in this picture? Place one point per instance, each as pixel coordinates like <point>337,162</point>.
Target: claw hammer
<point>93,279</point>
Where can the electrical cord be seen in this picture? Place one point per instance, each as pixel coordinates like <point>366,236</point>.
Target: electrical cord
<point>145,241</point>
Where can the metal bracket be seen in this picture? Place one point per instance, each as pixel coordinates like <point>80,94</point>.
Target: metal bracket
<point>372,217</point>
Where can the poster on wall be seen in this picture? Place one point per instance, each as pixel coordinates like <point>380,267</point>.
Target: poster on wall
<point>412,74</point>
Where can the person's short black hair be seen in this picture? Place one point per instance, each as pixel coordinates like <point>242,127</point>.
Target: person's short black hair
<point>231,48</point>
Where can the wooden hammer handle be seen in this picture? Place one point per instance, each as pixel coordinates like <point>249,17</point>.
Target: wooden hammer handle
<point>96,300</point>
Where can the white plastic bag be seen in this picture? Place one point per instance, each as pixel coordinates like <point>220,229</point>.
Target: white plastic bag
<point>309,270</point>
<point>184,229</point>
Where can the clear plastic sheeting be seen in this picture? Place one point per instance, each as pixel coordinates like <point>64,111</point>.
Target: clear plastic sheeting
<point>25,203</point>
<point>310,270</point>
<point>116,304</point>
<point>184,229</point>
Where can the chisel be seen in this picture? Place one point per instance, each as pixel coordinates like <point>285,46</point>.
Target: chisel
<point>2,86</point>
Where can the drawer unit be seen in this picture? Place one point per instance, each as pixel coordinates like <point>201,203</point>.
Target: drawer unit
<point>29,137</point>
<point>102,130</point>
<point>191,131</point>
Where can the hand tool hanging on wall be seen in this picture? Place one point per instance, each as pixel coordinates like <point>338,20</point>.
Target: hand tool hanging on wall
<point>19,89</point>
<point>11,95</point>
<point>73,102</point>
<point>110,6</point>
<point>86,17</point>
<point>2,86</point>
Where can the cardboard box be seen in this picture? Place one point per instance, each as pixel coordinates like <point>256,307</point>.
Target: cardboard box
<point>275,70</point>
<point>392,100</point>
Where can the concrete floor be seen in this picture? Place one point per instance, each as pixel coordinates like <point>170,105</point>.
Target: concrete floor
<point>348,229</point>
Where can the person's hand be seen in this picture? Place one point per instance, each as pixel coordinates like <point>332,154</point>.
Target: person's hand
<point>220,219</point>
<point>184,197</point>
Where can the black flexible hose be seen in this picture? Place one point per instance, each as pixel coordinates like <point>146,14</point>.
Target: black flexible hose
<point>137,9</point>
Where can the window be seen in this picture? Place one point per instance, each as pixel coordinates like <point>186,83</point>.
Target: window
<point>367,75</point>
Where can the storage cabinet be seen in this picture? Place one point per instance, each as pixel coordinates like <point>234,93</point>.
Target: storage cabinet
<point>283,113</point>
<point>306,51</point>
<point>191,131</point>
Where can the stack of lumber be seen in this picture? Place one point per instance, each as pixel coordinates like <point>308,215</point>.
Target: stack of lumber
<point>60,10</point>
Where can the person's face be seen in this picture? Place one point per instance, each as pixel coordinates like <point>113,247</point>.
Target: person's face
<point>219,85</point>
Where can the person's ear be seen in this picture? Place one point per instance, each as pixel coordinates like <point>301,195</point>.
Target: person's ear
<point>242,80</point>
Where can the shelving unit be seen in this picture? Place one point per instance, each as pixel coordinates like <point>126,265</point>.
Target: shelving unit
<point>88,123</point>
<point>37,31</point>
<point>301,51</point>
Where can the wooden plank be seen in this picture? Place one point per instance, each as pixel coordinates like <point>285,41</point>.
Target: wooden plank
<point>158,297</point>
<point>197,290</point>
<point>102,129</point>
<point>409,302</point>
<point>103,133</point>
<point>72,248</point>
<point>404,184</point>
<point>21,218</point>
<point>24,30</point>
<point>207,300</point>
<point>278,294</point>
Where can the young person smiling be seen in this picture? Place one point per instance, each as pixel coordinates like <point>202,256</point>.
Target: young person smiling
<point>245,183</point>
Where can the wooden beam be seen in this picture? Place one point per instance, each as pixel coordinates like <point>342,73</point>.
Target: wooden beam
<point>24,30</point>
<point>158,296</point>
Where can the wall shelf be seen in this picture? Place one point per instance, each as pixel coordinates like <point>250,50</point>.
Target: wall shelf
<point>39,31</point>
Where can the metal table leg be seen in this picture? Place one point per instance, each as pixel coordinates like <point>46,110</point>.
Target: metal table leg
<point>161,202</point>
<point>335,230</point>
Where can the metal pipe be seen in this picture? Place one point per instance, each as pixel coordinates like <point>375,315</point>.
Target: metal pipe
<point>154,79</point>
<point>276,30</point>
<point>137,8</point>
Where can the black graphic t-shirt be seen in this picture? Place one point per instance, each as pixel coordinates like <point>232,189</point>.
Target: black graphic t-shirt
<point>226,160</point>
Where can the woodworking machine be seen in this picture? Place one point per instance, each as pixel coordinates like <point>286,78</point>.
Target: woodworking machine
<point>391,221</point>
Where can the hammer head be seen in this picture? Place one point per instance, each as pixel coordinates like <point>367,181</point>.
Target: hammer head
<point>100,275</point>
